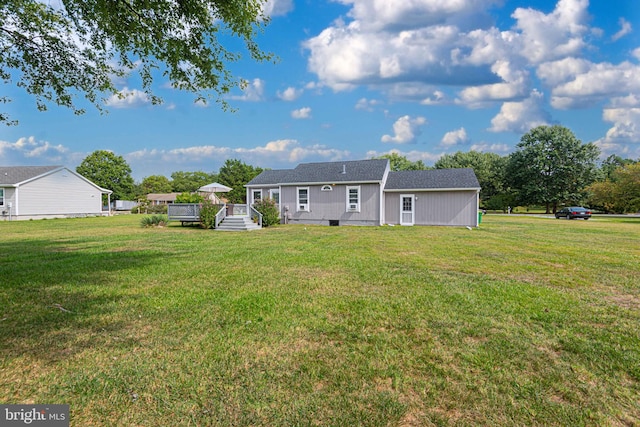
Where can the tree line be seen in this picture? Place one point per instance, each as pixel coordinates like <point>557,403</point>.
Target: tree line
<point>550,167</point>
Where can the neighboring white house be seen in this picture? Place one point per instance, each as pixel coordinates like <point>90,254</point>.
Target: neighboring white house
<point>367,192</point>
<point>38,192</point>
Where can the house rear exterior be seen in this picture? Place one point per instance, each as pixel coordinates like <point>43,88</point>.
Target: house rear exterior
<point>367,192</point>
<point>37,192</point>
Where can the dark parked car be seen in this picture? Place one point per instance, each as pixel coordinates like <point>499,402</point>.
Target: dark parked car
<point>574,212</point>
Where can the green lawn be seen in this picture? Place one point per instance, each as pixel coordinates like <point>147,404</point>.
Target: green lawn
<point>524,321</point>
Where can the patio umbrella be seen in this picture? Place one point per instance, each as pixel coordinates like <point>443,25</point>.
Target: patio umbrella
<point>215,187</point>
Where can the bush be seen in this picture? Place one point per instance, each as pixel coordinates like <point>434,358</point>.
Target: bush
<point>208,212</point>
<point>154,221</point>
<point>269,210</point>
<point>189,198</point>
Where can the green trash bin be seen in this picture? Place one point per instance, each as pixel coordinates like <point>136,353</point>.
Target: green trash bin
<point>479,217</point>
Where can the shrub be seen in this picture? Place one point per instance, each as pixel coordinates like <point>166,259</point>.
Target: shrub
<point>208,212</point>
<point>154,221</point>
<point>189,198</point>
<point>269,210</point>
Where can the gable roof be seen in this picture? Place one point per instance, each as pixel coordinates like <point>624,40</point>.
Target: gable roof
<point>325,173</point>
<point>434,179</point>
<point>14,175</point>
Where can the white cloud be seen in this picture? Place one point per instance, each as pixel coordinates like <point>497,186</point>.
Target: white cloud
<point>31,148</point>
<point>367,104</point>
<point>277,7</point>
<point>406,130</point>
<point>551,36</point>
<point>128,98</point>
<point>625,28</point>
<point>290,94</point>
<point>520,117</point>
<point>492,148</point>
<point>301,113</point>
<point>596,82</point>
<point>626,125</point>
<point>636,53</point>
<point>254,92</point>
<point>437,97</point>
<point>455,137</point>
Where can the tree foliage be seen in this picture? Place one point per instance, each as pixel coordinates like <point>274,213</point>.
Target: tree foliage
<point>186,182</point>
<point>551,167</point>
<point>269,210</point>
<point>155,184</point>
<point>108,171</point>
<point>81,47</point>
<point>620,193</point>
<point>488,167</point>
<point>401,163</point>
<point>235,174</point>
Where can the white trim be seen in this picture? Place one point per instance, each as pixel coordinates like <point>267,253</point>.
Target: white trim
<point>2,198</point>
<point>272,191</point>
<point>353,207</point>
<point>431,189</point>
<point>326,187</point>
<point>413,209</point>
<point>302,207</point>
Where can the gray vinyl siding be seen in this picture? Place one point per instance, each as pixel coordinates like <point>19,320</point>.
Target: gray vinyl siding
<point>457,208</point>
<point>325,206</point>
<point>60,193</point>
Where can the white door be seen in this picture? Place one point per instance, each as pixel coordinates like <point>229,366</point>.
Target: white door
<point>406,209</point>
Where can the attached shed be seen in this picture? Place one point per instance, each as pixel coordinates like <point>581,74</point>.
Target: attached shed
<point>432,197</point>
<point>38,192</point>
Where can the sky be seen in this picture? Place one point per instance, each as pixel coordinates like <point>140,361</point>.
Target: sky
<point>357,79</point>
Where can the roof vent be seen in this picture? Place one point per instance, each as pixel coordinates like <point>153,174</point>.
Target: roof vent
<point>344,169</point>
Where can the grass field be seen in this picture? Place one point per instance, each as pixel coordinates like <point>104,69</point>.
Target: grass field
<point>524,321</point>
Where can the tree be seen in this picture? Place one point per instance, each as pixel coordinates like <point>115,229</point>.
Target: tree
<point>156,184</point>
<point>612,163</point>
<point>81,47</point>
<point>401,163</point>
<point>108,171</point>
<point>620,193</point>
<point>187,182</point>
<point>488,167</point>
<point>551,166</point>
<point>236,174</point>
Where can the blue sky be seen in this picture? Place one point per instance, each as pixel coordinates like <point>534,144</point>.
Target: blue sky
<point>362,78</point>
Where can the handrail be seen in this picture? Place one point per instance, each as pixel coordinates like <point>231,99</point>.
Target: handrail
<point>255,213</point>
<point>221,215</point>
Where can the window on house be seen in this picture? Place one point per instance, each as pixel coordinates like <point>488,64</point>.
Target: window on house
<point>326,188</point>
<point>303,199</point>
<point>256,195</point>
<point>1,196</point>
<point>353,199</point>
<point>275,195</point>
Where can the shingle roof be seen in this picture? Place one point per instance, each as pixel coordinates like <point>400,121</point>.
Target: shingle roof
<point>325,173</point>
<point>11,175</point>
<point>432,179</point>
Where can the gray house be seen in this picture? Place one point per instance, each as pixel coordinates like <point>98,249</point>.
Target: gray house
<point>366,192</point>
<point>36,192</point>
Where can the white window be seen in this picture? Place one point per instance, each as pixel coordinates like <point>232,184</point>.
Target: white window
<point>256,195</point>
<point>353,199</point>
<point>1,196</point>
<point>303,199</point>
<point>275,195</point>
<point>326,188</point>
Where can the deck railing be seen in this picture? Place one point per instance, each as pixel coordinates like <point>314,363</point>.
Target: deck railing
<point>255,216</point>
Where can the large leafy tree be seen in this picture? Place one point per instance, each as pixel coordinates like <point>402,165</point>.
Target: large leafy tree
<point>187,182</point>
<point>155,184</point>
<point>79,47</point>
<point>488,167</point>
<point>108,171</point>
<point>401,163</point>
<point>551,167</point>
<point>235,174</point>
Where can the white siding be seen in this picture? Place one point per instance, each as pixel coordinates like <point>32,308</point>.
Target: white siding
<point>60,193</point>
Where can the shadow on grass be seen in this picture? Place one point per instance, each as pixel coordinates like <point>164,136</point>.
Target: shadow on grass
<point>58,298</point>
